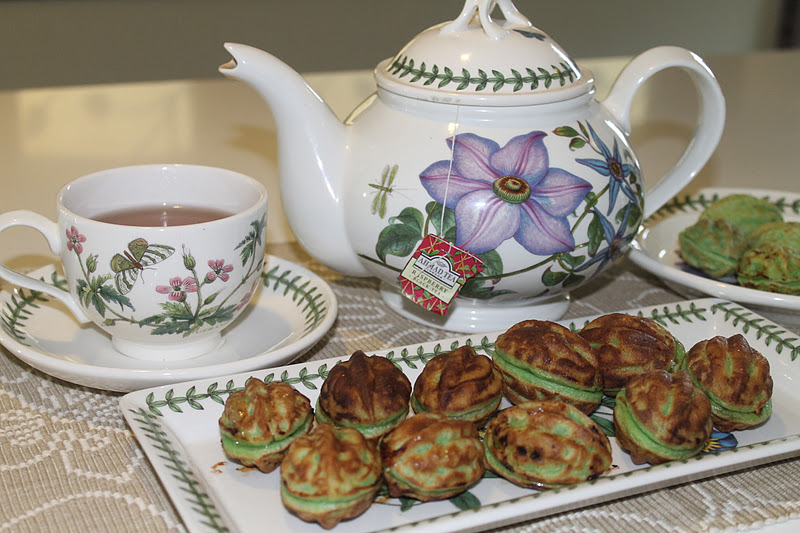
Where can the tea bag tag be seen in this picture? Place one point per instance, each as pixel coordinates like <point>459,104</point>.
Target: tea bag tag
<point>436,272</point>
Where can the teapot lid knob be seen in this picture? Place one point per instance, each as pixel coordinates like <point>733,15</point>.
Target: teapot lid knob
<point>484,10</point>
<point>480,60</point>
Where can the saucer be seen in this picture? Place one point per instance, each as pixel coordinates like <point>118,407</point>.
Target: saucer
<point>656,250</point>
<point>291,311</point>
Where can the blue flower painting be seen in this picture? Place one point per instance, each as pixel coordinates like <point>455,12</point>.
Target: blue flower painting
<point>612,166</point>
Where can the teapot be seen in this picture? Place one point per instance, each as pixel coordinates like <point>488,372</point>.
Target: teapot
<point>484,132</point>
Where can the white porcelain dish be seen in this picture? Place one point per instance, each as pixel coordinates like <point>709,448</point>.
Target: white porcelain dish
<point>291,311</point>
<point>177,428</point>
<point>656,250</point>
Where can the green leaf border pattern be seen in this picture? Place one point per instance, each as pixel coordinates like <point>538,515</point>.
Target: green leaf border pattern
<point>772,334</point>
<point>310,299</point>
<point>698,203</point>
<point>17,311</point>
<point>666,315</point>
<point>534,76</point>
<point>199,500</point>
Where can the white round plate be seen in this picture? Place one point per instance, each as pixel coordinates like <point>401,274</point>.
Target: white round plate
<point>656,249</point>
<point>291,311</point>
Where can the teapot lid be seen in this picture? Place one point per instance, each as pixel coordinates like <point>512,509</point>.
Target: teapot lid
<point>477,60</point>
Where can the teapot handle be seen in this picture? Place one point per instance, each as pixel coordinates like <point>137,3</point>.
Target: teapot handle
<point>710,123</point>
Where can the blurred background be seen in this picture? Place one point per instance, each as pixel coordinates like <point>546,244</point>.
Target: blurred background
<point>72,42</point>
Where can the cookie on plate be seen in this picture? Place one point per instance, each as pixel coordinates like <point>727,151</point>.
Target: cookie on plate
<point>744,211</point>
<point>461,384</point>
<point>772,262</point>
<point>629,345</point>
<point>713,246</point>
<point>770,267</point>
<point>545,444</point>
<point>661,417</point>
<point>542,360</point>
<point>368,393</point>
<point>735,377</point>
<point>258,423</point>
<point>431,457</point>
<point>330,474</point>
<point>779,233</point>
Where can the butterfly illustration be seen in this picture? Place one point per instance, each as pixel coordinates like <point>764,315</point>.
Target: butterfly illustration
<point>383,189</point>
<point>129,263</point>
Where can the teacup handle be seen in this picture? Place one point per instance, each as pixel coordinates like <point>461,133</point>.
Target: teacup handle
<point>710,123</point>
<point>49,229</point>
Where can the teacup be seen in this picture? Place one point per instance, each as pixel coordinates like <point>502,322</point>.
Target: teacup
<point>163,292</point>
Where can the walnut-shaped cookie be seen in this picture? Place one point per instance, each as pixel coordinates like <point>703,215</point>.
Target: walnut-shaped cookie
<point>770,267</point>
<point>629,345</point>
<point>713,246</point>
<point>546,444</point>
<point>330,474</point>
<point>461,384</point>
<point>661,417</point>
<point>368,393</point>
<point>542,360</point>
<point>431,457</point>
<point>735,377</point>
<point>258,423</point>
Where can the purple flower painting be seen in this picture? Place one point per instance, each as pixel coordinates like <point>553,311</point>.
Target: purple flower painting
<point>503,192</point>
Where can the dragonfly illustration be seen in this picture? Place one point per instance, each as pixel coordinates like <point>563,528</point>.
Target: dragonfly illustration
<point>139,255</point>
<point>383,189</point>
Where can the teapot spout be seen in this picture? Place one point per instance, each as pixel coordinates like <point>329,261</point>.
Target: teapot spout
<point>311,155</point>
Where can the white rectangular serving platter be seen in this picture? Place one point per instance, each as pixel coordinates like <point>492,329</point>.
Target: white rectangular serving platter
<point>177,428</point>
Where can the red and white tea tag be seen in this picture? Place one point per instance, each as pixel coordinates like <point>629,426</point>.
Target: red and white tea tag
<point>436,272</point>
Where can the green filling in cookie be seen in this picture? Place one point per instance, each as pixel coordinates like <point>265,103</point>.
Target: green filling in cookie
<point>545,380</point>
<point>252,451</point>
<point>750,418</point>
<point>477,412</point>
<point>369,431</point>
<point>324,504</point>
<point>645,438</point>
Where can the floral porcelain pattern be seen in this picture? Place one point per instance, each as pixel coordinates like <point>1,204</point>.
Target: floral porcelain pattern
<point>190,301</point>
<point>489,194</point>
<point>534,77</point>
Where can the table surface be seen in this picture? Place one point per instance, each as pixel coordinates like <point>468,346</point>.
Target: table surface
<point>68,460</point>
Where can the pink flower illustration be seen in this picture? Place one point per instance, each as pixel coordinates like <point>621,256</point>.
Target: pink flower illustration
<point>218,270</point>
<point>178,288</point>
<point>246,298</point>
<point>74,240</point>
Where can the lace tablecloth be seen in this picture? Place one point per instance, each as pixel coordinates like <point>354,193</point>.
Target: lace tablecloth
<point>68,462</point>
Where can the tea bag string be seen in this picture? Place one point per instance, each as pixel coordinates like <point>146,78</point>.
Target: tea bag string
<point>449,173</point>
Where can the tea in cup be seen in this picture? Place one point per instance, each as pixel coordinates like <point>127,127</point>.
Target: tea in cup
<point>161,257</point>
